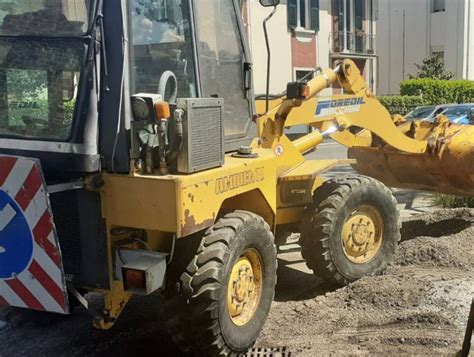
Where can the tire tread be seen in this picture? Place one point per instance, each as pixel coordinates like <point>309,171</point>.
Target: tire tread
<point>322,214</point>
<point>198,324</point>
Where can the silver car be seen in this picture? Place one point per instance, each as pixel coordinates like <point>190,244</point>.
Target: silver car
<point>427,113</point>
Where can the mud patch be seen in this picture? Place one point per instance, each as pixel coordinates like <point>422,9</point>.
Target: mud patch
<point>438,224</point>
<point>382,293</point>
<point>418,307</point>
<point>455,251</point>
<point>422,342</point>
<point>424,317</point>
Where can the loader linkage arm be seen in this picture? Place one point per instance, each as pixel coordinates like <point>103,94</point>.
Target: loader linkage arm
<point>367,112</point>
<point>437,156</point>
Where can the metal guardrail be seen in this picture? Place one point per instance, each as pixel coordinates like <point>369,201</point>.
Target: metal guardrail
<point>352,42</point>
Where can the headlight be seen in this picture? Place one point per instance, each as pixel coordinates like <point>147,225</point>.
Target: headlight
<point>140,108</point>
<point>143,106</point>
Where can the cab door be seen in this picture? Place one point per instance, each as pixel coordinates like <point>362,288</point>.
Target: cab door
<point>224,66</point>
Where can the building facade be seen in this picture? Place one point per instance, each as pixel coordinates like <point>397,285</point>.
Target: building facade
<point>409,31</point>
<point>305,34</point>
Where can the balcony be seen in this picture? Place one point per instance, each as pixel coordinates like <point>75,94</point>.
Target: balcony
<point>353,43</point>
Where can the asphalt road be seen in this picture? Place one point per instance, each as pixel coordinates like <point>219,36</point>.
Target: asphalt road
<point>328,150</point>
<point>332,151</point>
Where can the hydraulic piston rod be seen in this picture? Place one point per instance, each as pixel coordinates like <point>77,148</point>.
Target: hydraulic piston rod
<point>313,139</point>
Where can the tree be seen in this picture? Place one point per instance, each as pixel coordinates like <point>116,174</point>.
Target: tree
<point>26,83</point>
<point>432,67</point>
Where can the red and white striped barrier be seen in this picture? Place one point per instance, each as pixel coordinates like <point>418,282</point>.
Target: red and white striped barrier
<point>31,271</point>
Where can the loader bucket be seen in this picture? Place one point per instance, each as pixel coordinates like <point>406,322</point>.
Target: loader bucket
<point>447,167</point>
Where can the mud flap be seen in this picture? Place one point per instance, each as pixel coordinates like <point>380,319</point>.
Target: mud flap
<point>31,267</point>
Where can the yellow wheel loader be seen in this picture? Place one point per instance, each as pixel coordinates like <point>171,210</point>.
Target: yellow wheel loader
<point>135,161</point>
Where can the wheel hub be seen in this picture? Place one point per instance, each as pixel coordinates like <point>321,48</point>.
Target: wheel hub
<point>362,235</point>
<point>244,287</point>
<point>362,232</point>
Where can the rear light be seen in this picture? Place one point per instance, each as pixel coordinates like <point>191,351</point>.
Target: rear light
<point>304,91</point>
<point>134,279</point>
<point>142,271</point>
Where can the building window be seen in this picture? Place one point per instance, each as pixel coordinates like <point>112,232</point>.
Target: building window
<point>438,5</point>
<point>355,27</point>
<point>306,74</point>
<point>303,14</point>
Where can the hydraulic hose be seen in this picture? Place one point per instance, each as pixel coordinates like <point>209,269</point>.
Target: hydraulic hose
<point>177,143</point>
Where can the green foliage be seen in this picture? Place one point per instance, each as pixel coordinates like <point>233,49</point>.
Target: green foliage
<point>29,83</point>
<point>450,201</point>
<point>397,104</point>
<point>432,67</point>
<point>69,108</point>
<point>40,111</point>
<point>438,91</point>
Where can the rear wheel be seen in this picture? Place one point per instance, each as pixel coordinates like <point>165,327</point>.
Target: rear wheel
<point>351,230</point>
<point>228,287</point>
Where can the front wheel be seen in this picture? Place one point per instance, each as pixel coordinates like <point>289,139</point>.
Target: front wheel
<point>228,286</point>
<point>351,230</point>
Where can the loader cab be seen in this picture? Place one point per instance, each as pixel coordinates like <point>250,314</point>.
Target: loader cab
<point>194,49</point>
<point>45,85</point>
<point>68,69</point>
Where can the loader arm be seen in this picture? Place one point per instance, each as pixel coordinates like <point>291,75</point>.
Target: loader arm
<point>358,109</point>
<point>435,156</point>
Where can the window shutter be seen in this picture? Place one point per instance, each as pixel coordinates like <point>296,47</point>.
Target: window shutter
<point>314,15</point>
<point>292,14</point>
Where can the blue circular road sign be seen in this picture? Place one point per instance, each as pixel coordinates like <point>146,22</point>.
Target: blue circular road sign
<point>16,239</point>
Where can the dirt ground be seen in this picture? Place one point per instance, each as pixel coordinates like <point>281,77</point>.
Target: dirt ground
<point>419,307</point>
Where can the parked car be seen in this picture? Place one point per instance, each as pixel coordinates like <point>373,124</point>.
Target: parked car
<point>427,113</point>
<point>460,114</point>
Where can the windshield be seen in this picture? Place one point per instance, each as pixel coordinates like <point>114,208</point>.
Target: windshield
<point>38,87</point>
<point>458,111</point>
<point>44,17</point>
<point>421,113</point>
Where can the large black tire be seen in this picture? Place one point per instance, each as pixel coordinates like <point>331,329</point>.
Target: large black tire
<point>203,324</point>
<point>322,228</point>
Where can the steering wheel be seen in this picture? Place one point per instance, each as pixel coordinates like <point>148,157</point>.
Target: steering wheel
<point>168,94</point>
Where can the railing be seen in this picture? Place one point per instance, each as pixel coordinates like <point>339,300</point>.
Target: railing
<point>351,42</point>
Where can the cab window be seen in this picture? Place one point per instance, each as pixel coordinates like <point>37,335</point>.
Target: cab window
<point>161,41</point>
<point>221,61</point>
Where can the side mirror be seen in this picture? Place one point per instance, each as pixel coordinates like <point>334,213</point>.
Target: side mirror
<point>268,3</point>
